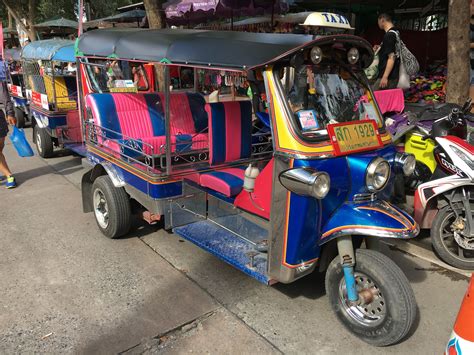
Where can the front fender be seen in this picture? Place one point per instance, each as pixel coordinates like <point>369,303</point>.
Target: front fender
<point>375,218</point>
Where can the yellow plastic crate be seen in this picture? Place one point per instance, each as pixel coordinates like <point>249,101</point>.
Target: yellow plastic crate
<point>421,149</point>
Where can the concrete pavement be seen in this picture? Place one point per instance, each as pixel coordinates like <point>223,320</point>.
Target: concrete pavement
<point>66,288</point>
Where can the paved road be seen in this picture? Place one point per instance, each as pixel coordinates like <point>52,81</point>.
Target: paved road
<point>65,288</point>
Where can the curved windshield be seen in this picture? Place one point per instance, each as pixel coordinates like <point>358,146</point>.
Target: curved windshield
<point>321,96</point>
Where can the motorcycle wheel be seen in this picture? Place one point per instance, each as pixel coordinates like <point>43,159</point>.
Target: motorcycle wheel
<point>454,252</point>
<point>388,314</point>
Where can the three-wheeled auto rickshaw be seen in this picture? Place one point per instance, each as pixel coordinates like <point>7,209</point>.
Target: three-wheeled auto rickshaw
<point>16,86</point>
<point>279,186</point>
<point>49,69</point>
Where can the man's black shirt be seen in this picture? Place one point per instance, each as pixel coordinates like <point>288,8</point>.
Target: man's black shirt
<point>388,46</point>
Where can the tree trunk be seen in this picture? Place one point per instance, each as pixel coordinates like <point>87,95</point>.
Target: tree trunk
<point>31,19</point>
<point>10,20</point>
<point>154,13</point>
<point>154,10</point>
<point>458,51</point>
<point>17,15</point>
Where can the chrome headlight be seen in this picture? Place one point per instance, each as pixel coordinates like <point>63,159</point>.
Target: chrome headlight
<point>306,182</point>
<point>316,54</point>
<point>353,56</point>
<point>405,163</point>
<point>377,175</point>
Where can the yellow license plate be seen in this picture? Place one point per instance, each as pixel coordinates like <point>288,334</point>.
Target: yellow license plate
<point>352,137</point>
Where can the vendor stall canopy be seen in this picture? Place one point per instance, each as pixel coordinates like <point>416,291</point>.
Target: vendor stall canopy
<point>233,50</point>
<point>60,50</point>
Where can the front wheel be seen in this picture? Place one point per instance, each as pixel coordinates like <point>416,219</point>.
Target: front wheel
<point>451,237</point>
<point>386,308</point>
<point>43,141</point>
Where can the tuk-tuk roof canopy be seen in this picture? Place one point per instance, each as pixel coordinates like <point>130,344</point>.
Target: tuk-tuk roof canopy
<point>61,50</point>
<point>236,50</point>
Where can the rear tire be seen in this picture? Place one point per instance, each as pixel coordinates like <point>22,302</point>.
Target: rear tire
<point>444,243</point>
<point>20,118</point>
<point>43,142</point>
<point>390,315</point>
<point>111,207</point>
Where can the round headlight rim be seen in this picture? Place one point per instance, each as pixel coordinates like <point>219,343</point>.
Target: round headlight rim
<point>320,54</point>
<point>353,52</point>
<point>370,174</point>
<point>402,160</point>
<point>318,176</point>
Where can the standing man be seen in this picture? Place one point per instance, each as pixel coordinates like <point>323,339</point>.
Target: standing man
<point>389,63</point>
<point>7,103</point>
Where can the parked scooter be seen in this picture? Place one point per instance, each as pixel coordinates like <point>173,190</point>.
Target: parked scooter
<point>445,203</point>
<point>410,128</point>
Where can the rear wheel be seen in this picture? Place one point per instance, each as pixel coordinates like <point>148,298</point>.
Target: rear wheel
<point>386,308</point>
<point>43,142</point>
<point>451,237</point>
<point>112,208</point>
<point>20,118</point>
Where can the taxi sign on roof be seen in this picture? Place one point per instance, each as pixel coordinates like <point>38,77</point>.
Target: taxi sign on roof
<point>327,19</point>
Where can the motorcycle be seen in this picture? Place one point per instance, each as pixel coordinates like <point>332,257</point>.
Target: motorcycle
<point>409,128</point>
<point>445,203</point>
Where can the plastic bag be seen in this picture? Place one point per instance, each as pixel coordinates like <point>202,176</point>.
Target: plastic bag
<point>373,69</point>
<point>20,143</point>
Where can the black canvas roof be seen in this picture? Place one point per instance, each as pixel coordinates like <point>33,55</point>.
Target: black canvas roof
<point>238,50</point>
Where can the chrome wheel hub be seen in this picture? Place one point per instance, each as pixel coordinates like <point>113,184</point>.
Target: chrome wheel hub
<point>101,209</point>
<point>38,141</point>
<point>371,309</point>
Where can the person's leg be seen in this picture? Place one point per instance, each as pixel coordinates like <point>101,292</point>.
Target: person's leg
<point>4,169</point>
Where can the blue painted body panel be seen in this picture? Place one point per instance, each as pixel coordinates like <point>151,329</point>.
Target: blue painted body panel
<point>308,216</point>
<point>54,120</point>
<point>226,246</point>
<point>20,101</point>
<point>378,215</point>
<point>156,191</point>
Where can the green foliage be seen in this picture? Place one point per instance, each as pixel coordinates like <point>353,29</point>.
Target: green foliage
<point>53,9</point>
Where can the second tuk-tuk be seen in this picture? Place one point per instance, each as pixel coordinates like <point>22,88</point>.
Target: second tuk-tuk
<point>16,86</point>
<point>49,69</point>
<point>288,181</point>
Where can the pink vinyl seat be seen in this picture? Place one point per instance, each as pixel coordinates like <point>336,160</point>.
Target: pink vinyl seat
<point>140,117</point>
<point>230,140</point>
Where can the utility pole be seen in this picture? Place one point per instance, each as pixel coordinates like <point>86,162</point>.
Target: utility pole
<point>457,90</point>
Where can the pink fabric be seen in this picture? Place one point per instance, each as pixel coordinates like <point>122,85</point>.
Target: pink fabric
<point>199,142</point>
<point>208,110</point>
<point>260,201</point>
<point>133,115</point>
<point>232,128</point>
<point>181,117</point>
<point>390,100</point>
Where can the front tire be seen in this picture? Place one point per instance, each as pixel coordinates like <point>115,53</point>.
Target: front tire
<point>444,241</point>
<point>112,208</point>
<point>20,118</point>
<point>43,142</point>
<point>389,315</point>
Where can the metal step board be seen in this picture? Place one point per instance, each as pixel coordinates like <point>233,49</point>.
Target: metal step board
<point>228,247</point>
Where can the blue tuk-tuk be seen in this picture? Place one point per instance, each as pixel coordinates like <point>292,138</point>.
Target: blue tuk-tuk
<point>282,180</point>
<point>49,70</point>
<point>16,86</point>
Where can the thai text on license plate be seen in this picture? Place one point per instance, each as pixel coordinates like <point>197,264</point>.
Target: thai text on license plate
<point>354,137</point>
